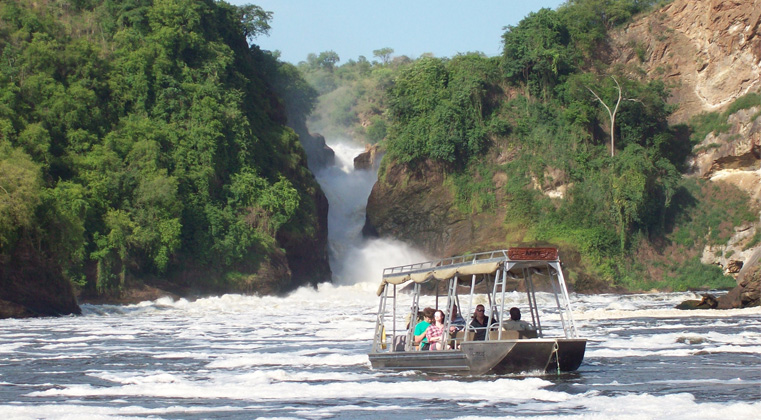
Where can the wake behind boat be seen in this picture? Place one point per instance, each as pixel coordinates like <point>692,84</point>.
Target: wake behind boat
<point>482,278</point>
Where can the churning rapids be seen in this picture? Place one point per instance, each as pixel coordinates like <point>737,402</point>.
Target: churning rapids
<point>305,355</point>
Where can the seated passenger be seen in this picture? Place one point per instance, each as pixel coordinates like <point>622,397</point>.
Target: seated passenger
<point>422,327</point>
<point>480,323</point>
<point>456,321</point>
<point>515,323</point>
<point>435,331</point>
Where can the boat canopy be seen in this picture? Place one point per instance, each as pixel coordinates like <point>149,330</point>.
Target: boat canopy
<point>468,265</point>
<point>442,273</point>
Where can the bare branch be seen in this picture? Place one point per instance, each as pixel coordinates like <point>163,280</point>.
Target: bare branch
<point>611,114</point>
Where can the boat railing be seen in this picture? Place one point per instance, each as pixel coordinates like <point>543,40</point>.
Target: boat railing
<point>450,262</point>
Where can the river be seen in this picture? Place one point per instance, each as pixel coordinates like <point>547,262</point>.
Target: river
<point>304,356</point>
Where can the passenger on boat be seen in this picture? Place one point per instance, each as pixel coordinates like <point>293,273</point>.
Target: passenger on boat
<point>480,323</point>
<point>515,323</point>
<point>435,331</point>
<point>456,322</point>
<point>421,327</point>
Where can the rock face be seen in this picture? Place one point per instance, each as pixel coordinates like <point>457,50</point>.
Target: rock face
<point>709,51</point>
<point>748,290</point>
<point>319,154</point>
<point>416,207</point>
<point>737,151</point>
<point>369,159</point>
<point>733,157</point>
<point>709,54</point>
<point>32,285</point>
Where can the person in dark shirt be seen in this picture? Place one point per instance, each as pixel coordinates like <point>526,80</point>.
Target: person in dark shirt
<point>480,323</point>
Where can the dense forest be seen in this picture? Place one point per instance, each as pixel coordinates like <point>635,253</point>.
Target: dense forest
<point>552,112</point>
<point>147,139</point>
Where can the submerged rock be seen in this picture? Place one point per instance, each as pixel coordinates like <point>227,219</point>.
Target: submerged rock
<point>708,302</point>
<point>747,293</point>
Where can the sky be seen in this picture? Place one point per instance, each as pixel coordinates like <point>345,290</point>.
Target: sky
<point>354,28</point>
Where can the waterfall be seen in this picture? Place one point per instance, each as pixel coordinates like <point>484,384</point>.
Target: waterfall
<point>353,258</point>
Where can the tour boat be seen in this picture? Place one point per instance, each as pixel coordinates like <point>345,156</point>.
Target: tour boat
<point>493,279</point>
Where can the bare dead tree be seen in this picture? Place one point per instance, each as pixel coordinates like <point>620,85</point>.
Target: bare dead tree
<point>611,114</point>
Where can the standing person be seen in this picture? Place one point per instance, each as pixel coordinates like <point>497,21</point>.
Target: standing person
<point>480,323</point>
<point>515,323</point>
<point>435,331</point>
<point>422,327</point>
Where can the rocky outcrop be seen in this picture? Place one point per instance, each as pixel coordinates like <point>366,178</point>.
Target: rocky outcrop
<point>733,157</point>
<point>31,284</point>
<point>319,154</point>
<point>707,302</point>
<point>708,51</point>
<point>417,207</point>
<point>748,290</point>
<point>369,159</point>
<point>747,293</point>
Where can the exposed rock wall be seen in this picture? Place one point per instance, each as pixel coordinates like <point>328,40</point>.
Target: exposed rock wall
<point>709,51</point>
<point>709,54</point>
<point>418,208</point>
<point>369,159</point>
<point>748,291</point>
<point>733,157</point>
<point>31,284</point>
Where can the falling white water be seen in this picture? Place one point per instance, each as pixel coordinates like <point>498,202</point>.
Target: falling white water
<point>353,258</point>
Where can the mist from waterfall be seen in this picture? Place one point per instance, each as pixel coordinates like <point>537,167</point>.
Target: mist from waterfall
<point>353,258</point>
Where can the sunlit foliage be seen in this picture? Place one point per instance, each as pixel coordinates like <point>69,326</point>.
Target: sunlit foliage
<point>137,136</point>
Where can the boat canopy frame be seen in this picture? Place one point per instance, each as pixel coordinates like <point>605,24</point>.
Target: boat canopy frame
<point>501,265</point>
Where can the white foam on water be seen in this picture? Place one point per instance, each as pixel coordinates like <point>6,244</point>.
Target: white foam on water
<point>256,387</point>
<point>498,399</point>
<point>70,411</point>
<point>636,407</point>
<point>290,360</point>
<point>639,312</point>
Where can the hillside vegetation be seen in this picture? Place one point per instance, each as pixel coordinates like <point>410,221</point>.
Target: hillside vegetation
<point>146,139</point>
<point>570,149</point>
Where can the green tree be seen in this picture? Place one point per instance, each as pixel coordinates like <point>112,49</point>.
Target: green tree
<point>536,51</point>
<point>384,54</point>
<point>20,189</point>
<point>254,21</point>
<point>439,109</point>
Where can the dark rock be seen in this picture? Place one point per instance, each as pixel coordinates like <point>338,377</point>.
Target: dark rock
<point>734,266</point>
<point>707,302</point>
<point>748,291</point>
<point>319,154</point>
<point>415,206</point>
<point>369,159</point>
<point>31,284</point>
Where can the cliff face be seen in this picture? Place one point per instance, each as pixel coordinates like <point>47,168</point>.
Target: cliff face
<point>416,207</point>
<point>708,52</point>
<point>31,284</point>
